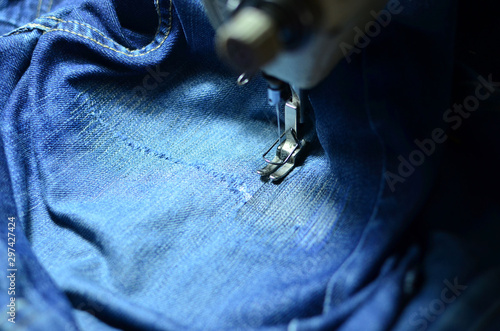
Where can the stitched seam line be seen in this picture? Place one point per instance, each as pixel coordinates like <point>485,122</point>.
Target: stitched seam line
<point>30,25</point>
<point>48,29</point>
<point>85,25</point>
<point>108,47</point>
<point>126,54</point>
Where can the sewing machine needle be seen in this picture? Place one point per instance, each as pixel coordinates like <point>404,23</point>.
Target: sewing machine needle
<point>278,120</point>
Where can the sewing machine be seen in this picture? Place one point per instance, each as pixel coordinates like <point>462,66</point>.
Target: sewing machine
<point>295,43</point>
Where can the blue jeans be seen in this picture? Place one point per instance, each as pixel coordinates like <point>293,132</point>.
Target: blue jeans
<point>127,169</point>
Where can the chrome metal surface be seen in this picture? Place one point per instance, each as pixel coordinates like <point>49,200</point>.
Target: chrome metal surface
<point>287,151</point>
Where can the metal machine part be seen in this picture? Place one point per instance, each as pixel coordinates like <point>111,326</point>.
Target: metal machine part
<point>296,41</point>
<point>288,151</point>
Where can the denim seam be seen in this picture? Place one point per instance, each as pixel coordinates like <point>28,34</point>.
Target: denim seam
<point>48,136</point>
<point>224,177</point>
<point>85,25</point>
<point>48,29</point>
<point>27,27</point>
<point>129,142</point>
<point>118,51</point>
<point>73,117</point>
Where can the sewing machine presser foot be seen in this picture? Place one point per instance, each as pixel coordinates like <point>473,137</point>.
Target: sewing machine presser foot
<point>289,150</point>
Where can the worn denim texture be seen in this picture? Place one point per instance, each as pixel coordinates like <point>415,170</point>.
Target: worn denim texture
<point>128,157</point>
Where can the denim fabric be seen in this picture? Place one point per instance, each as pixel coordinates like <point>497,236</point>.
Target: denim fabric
<point>128,160</point>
